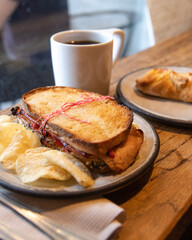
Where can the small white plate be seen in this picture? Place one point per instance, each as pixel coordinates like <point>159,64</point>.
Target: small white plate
<point>103,183</point>
<point>169,111</point>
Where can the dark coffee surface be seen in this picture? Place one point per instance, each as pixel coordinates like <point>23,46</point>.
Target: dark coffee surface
<point>82,42</point>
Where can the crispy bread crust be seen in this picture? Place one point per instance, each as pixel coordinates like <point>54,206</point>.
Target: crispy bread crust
<point>126,152</point>
<point>95,147</point>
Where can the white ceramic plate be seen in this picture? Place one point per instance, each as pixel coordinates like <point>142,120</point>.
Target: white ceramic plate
<point>103,183</point>
<point>166,110</point>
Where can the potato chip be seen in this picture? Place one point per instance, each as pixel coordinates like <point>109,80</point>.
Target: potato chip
<point>24,139</point>
<point>32,165</point>
<point>7,131</point>
<point>75,167</point>
<point>5,118</point>
<point>33,139</point>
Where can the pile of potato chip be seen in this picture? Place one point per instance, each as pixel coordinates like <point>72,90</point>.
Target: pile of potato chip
<point>21,149</point>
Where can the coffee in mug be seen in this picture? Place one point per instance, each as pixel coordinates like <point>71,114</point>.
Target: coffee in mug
<point>84,58</point>
<point>82,42</point>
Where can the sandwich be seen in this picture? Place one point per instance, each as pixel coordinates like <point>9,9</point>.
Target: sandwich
<point>94,128</point>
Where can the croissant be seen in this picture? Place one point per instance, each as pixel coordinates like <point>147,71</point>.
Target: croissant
<point>166,83</point>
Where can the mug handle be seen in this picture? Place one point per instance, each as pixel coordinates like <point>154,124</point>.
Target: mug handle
<point>118,41</point>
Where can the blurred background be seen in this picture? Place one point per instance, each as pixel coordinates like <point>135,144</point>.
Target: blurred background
<point>26,27</point>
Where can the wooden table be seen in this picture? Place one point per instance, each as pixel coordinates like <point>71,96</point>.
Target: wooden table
<point>158,206</point>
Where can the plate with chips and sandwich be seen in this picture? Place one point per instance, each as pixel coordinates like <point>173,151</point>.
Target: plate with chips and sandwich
<point>62,141</point>
<point>162,93</point>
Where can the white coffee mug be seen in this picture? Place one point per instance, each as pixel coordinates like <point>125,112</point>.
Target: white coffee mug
<point>84,58</point>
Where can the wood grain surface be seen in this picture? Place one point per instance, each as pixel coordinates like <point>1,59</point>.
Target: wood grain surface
<point>158,206</point>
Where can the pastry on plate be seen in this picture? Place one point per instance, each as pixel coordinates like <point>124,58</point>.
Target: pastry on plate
<point>166,83</point>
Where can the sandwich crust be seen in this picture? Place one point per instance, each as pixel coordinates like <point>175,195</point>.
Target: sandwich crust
<point>93,127</point>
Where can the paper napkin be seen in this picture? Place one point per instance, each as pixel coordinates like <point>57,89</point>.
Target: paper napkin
<point>89,218</point>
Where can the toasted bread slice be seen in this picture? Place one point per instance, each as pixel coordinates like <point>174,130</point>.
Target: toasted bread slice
<point>93,127</point>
